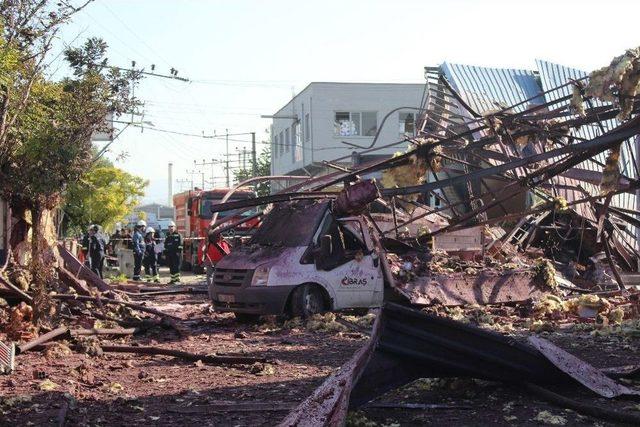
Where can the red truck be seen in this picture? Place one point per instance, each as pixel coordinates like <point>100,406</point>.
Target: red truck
<point>193,218</point>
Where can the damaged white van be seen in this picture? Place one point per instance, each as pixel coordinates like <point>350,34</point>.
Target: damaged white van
<point>302,260</point>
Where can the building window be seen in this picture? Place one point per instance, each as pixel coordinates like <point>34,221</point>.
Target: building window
<point>360,123</point>
<point>346,125</point>
<point>281,145</point>
<point>407,123</point>
<point>307,128</point>
<point>369,123</point>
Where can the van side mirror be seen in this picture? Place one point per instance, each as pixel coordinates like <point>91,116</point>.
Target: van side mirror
<point>326,245</point>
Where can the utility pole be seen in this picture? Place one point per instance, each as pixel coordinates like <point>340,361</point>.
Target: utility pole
<point>195,172</point>
<point>185,181</point>
<point>227,158</point>
<point>212,163</point>
<point>173,71</point>
<point>254,164</point>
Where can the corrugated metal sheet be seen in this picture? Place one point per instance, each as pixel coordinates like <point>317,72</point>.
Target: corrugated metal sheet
<point>486,88</point>
<point>553,75</point>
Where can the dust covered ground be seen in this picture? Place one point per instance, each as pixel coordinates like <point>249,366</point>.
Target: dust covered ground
<point>130,389</point>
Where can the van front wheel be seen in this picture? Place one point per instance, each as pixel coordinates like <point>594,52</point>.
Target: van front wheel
<point>306,301</point>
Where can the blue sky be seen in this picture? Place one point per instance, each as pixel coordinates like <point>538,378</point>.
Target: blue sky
<point>246,57</point>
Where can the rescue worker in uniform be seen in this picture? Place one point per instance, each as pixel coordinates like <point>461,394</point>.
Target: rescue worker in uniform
<point>150,260</point>
<point>173,252</point>
<point>97,246</point>
<point>138,246</point>
<point>116,240</point>
<point>85,248</point>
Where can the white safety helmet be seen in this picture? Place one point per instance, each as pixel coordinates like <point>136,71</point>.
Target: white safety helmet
<point>172,224</point>
<point>150,230</point>
<point>142,223</point>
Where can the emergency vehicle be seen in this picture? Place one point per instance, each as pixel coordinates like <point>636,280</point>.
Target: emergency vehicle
<point>193,218</point>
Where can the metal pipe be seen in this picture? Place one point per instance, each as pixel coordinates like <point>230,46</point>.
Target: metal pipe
<point>251,181</point>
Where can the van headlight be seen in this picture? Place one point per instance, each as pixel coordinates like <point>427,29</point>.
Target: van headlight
<point>260,276</point>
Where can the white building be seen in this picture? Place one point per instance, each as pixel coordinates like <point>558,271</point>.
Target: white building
<point>321,122</point>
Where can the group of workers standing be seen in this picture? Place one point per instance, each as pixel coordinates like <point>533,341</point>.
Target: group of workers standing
<point>146,246</point>
<point>146,252</point>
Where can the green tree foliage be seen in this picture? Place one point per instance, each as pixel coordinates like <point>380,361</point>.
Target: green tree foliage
<point>46,126</point>
<point>104,195</point>
<point>50,142</point>
<point>263,168</point>
<point>27,30</point>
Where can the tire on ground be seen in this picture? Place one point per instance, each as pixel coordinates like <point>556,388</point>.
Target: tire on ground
<point>307,300</point>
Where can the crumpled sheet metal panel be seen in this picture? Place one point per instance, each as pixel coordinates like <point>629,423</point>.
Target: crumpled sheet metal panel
<point>328,404</point>
<point>581,371</point>
<point>407,344</point>
<point>440,343</point>
<point>486,287</point>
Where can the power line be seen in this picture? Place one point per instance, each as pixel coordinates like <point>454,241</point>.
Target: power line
<point>127,45</point>
<point>194,135</point>
<point>179,104</point>
<point>202,136</point>
<point>241,84</point>
<point>134,34</point>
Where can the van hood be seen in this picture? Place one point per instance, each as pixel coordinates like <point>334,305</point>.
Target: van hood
<point>253,256</point>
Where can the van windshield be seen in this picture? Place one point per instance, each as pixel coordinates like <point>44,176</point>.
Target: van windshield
<point>290,224</point>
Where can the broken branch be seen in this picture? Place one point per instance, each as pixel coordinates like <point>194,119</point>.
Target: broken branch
<point>192,357</point>
<point>100,331</point>
<point>16,289</point>
<point>113,301</point>
<point>42,339</point>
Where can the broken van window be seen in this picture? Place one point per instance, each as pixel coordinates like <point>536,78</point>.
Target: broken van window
<point>290,224</point>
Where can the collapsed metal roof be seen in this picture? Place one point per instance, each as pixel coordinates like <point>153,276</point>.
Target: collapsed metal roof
<point>486,88</point>
<point>496,145</point>
<point>554,75</point>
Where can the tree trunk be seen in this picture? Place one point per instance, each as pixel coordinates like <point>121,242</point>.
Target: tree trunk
<point>41,302</point>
